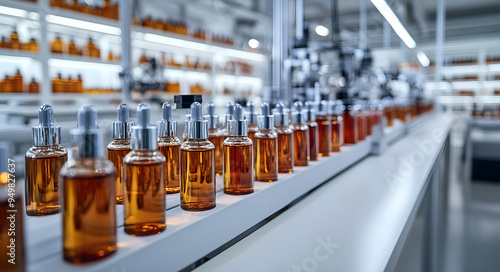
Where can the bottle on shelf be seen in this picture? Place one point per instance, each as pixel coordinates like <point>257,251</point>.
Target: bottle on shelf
<point>72,50</point>
<point>360,115</point>
<point>313,130</point>
<point>58,84</point>
<point>4,43</point>
<point>6,85</point>
<point>350,126</point>
<point>145,203</point>
<point>68,85</point>
<point>78,84</point>
<point>335,114</point>
<point>266,141</point>
<point>91,50</point>
<point>33,45</point>
<point>17,82</point>
<point>197,164</point>
<point>169,145</point>
<point>285,139</point>
<point>57,45</point>
<point>14,40</point>
<point>216,137</point>
<point>119,148</point>
<point>300,136</point>
<point>107,9</point>
<point>46,156</point>
<point>34,87</point>
<point>88,194</point>
<point>238,158</point>
<point>324,130</point>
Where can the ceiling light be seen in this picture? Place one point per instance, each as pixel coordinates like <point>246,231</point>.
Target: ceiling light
<point>83,25</point>
<point>322,30</point>
<point>393,20</point>
<point>253,43</point>
<point>424,60</point>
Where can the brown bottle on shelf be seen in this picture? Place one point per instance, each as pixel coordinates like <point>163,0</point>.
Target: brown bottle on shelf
<point>238,158</point>
<point>313,130</point>
<point>337,122</point>
<point>57,45</point>
<point>17,82</point>
<point>89,214</point>
<point>72,50</point>
<point>6,86</point>
<point>216,137</point>
<point>33,45</point>
<point>90,49</point>
<point>58,84</point>
<point>169,145</point>
<point>324,130</point>
<point>4,43</point>
<point>350,125</point>
<point>74,5</point>
<point>14,40</point>
<point>107,9</point>
<point>78,84</point>
<point>285,139</point>
<point>43,163</point>
<point>300,136</point>
<point>68,85</point>
<point>34,87</point>
<point>266,141</point>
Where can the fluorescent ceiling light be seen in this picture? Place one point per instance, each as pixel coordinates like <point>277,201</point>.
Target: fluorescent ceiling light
<point>83,25</point>
<point>424,60</point>
<point>253,43</point>
<point>322,30</point>
<point>85,65</point>
<point>393,20</point>
<point>13,12</point>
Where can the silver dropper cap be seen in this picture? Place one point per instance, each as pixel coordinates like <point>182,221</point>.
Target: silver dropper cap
<point>196,127</point>
<point>310,111</point>
<point>239,126</point>
<point>144,134</point>
<point>121,127</point>
<point>298,116</point>
<point>87,138</point>
<point>266,119</point>
<point>280,116</point>
<point>229,115</point>
<point>211,117</point>
<point>323,107</point>
<point>46,133</point>
<point>167,127</point>
<point>251,115</point>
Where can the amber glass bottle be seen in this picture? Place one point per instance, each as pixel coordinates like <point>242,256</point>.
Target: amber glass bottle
<point>360,115</point>
<point>119,148</point>
<point>14,40</point>
<point>197,165</point>
<point>58,84</point>
<point>57,45</point>
<point>350,125</point>
<point>216,137</point>
<point>170,146</point>
<point>324,130</point>
<point>266,141</point>
<point>88,195</point>
<point>72,50</point>
<point>17,82</point>
<point>285,139</point>
<point>43,163</point>
<point>145,201</point>
<point>34,87</point>
<point>33,45</point>
<point>238,158</point>
<point>300,136</point>
<point>313,130</point>
<point>79,84</point>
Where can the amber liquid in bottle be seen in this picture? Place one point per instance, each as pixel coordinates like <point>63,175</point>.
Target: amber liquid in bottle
<point>89,221</point>
<point>216,137</point>
<point>350,127</point>
<point>324,135</point>
<point>197,175</point>
<point>7,213</point>
<point>361,125</point>
<point>145,203</point>
<point>43,165</point>
<point>170,148</point>
<point>300,144</point>
<point>117,150</point>
<point>252,129</point>
<point>313,140</point>
<point>335,133</point>
<point>266,160</point>
<point>285,149</point>
<point>238,170</point>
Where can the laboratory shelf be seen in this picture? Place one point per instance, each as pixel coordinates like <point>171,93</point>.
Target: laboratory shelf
<point>18,56</point>
<point>20,5</point>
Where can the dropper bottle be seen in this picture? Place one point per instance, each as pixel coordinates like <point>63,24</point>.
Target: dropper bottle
<point>227,117</point>
<point>285,139</point>
<point>238,158</point>
<point>216,137</point>
<point>43,163</point>
<point>197,164</point>
<point>88,194</point>
<point>251,116</point>
<point>300,136</point>
<point>313,130</point>
<point>145,204</point>
<point>324,129</point>
<point>266,141</point>
<point>120,147</point>
<point>169,146</point>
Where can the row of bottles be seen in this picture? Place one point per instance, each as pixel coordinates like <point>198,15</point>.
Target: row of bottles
<point>89,50</point>
<point>15,84</point>
<point>107,10</point>
<point>12,42</point>
<point>68,85</point>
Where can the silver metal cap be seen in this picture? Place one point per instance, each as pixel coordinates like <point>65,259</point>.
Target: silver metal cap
<point>196,127</point>
<point>167,127</point>
<point>280,116</point>
<point>87,138</point>
<point>298,115</point>
<point>266,119</point>
<point>239,126</point>
<point>121,127</point>
<point>323,107</point>
<point>310,111</point>
<point>211,117</point>
<point>46,133</point>
<point>251,115</point>
<point>144,134</point>
<point>229,115</point>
